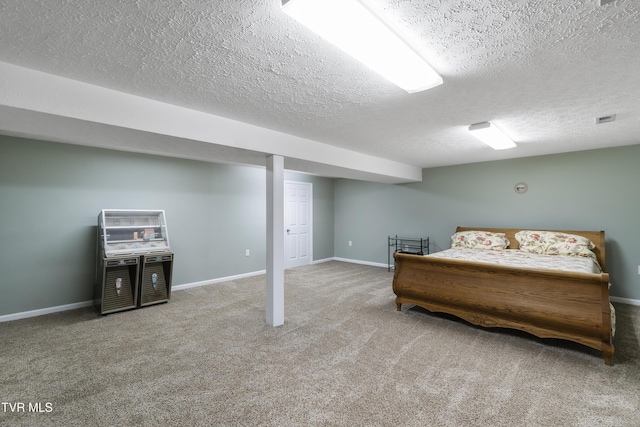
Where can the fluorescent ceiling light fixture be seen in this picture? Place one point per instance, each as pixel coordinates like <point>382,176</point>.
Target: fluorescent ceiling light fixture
<point>489,133</point>
<point>354,28</point>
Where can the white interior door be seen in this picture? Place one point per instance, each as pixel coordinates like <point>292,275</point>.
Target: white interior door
<point>297,223</point>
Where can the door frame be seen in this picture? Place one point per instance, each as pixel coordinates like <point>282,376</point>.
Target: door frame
<point>310,207</point>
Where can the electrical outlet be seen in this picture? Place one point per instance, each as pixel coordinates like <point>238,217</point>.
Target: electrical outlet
<point>639,270</point>
<point>247,252</point>
<point>350,243</point>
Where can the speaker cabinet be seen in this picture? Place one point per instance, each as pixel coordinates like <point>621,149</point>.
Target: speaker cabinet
<point>155,278</point>
<point>117,286</point>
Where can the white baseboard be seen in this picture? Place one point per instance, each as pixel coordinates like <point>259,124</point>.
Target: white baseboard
<point>357,261</point>
<point>320,261</point>
<point>59,308</point>
<point>219,280</point>
<point>379,264</point>
<point>42,311</point>
<point>625,300</point>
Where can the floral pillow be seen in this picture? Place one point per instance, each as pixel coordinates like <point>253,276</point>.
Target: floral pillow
<point>555,243</point>
<point>479,240</point>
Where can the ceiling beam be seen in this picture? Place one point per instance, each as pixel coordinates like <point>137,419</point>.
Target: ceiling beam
<point>44,106</point>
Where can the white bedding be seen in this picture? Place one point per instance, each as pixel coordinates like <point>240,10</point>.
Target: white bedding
<point>517,258</point>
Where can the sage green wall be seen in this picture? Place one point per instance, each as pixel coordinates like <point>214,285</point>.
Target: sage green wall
<point>51,194</point>
<point>588,190</point>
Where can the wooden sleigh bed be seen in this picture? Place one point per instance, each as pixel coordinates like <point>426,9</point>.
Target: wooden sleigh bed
<point>567,305</point>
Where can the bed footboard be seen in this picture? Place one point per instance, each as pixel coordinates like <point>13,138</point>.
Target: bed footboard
<point>548,304</point>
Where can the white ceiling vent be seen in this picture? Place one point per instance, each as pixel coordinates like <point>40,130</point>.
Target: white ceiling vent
<point>605,119</point>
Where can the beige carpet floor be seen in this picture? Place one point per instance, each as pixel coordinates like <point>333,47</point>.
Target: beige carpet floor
<point>344,357</point>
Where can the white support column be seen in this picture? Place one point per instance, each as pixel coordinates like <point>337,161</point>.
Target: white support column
<point>275,240</point>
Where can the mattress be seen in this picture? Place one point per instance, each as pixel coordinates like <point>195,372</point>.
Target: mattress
<point>521,259</point>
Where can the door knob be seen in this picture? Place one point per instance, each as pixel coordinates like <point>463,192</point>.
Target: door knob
<point>288,230</point>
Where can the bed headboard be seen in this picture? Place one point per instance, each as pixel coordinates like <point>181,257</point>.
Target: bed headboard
<point>597,237</point>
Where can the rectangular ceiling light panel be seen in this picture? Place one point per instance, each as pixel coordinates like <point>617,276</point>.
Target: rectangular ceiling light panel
<point>489,133</point>
<point>352,27</point>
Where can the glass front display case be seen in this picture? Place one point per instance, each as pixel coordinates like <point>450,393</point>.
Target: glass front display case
<point>124,232</point>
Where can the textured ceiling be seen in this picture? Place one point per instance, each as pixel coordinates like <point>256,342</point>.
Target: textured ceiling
<point>541,70</point>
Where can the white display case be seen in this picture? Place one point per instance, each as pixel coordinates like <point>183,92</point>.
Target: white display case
<point>128,232</point>
<point>134,260</point>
